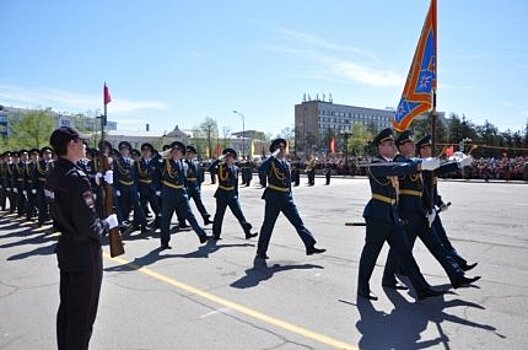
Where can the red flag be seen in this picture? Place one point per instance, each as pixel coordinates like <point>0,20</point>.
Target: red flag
<point>332,145</point>
<point>449,150</point>
<point>107,98</point>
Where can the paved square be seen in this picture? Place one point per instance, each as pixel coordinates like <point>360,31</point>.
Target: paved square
<point>216,297</point>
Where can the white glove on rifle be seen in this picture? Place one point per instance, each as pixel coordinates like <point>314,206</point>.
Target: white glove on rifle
<point>430,217</point>
<point>274,154</point>
<point>118,193</point>
<point>98,177</point>
<point>24,192</point>
<point>15,190</point>
<point>430,164</point>
<point>158,193</point>
<point>112,221</point>
<point>34,191</point>
<point>466,161</point>
<point>109,177</point>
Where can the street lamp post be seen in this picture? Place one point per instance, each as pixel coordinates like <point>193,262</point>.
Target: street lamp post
<point>243,130</point>
<point>346,133</point>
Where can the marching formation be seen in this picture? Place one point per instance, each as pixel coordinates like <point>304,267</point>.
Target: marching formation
<point>65,183</point>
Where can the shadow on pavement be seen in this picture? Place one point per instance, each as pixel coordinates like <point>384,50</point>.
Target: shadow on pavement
<point>153,256</point>
<point>401,328</point>
<point>261,272</point>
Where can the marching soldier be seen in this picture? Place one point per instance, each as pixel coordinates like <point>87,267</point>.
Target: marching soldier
<point>278,197</point>
<point>414,220</point>
<point>327,172</point>
<point>383,220</point>
<point>78,251</point>
<point>194,181</point>
<point>424,150</point>
<point>310,171</point>
<point>40,172</point>
<point>11,182</point>
<point>31,191</point>
<point>126,189</point>
<point>3,181</point>
<point>174,196</point>
<point>148,181</point>
<point>227,193</point>
<point>18,177</point>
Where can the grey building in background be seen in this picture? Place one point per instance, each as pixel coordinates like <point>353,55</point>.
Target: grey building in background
<point>314,119</point>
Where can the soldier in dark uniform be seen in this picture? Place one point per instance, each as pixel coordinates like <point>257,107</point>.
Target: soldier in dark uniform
<point>40,172</point>
<point>423,147</point>
<point>19,169</point>
<point>415,223</point>
<point>11,182</point>
<point>383,220</point>
<point>29,185</point>
<point>310,171</point>
<point>125,188</point>
<point>296,173</point>
<point>278,197</point>
<point>174,196</point>
<point>227,193</point>
<point>194,182</point>
<point>148,181</point>
<point>3,181</point>
<point>79,254</point>
<point>327,172</point>
<point>212,173</point>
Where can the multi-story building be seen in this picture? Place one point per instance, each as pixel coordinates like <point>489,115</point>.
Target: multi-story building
<point>315,119</point>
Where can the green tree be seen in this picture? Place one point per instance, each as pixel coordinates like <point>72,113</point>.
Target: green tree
<point>204,136</point>
<point>288,134</point>
<point>31,129</point>
<point>359,137</point>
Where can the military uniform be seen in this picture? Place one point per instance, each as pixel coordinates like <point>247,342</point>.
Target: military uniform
<point>40,172</point>
<point>174,197</point>
<point>194,180</point>
<point>149,182</point>
<point>384,223</point>
<point>227,195</point>
<point>125,188</point>
<point>278,197</point>
<point>18,186</point>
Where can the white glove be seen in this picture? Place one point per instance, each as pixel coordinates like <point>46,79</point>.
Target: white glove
<point>430,164</point>
<point>112,221</point>
<point>15,190</point>
<point>158,193</point>
<point>34,191</point>
<point>118,193</point>
<point>274,154</point>
<point>109,177</point>
<point>443,207</point>
<point>98,177</point>
<point>24,192</point>
<point>8,189</point>
<point>430,217</point>
<point>466,161</point>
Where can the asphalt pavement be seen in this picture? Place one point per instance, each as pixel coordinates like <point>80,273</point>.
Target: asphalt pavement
<point>217,296</point>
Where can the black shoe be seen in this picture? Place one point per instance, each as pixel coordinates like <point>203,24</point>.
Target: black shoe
<point>216,238</point>
<point>464,281</point>
<point>183,226</point>
<point>207,221</point>
<point>146,230</point>
<point>262,256</point>
<point>165,246</point>
<point>429,293</point>
<point>251,235</point>
<point>205,238</point>
<point>367,295</point>
<point>394,285</point>
<point>467,267</point>
<point>313,250</point>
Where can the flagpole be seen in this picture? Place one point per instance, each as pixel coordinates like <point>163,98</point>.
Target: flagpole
<point>433,146</point>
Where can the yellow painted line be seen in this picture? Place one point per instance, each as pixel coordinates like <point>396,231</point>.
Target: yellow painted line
<point>321,338</point>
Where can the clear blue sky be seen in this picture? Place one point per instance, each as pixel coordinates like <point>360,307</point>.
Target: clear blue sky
<point>176,62</point>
